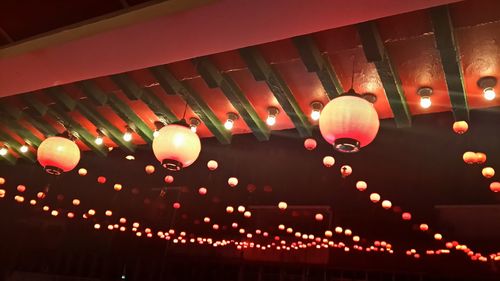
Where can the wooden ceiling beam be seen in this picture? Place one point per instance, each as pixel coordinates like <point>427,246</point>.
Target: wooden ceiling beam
<point>320,64</point>
<point>450,59</point>
<point>171,85</point>
<point>94,93</point>
<point>263,71</point>
<point>132,89</point>
<point>376,53</point>
<point>213,77</point>
<point>60,96</point>
<point>59,114</point>
<point>11,115</point>
<point>16,146</point>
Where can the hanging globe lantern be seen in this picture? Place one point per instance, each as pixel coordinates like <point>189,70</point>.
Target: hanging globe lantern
<point>349,122</point>
<point>460,127</point>
<point>176,146</point>
<point>58,155</point>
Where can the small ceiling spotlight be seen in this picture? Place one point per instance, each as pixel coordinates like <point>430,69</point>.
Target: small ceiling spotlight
<point>487,84</point>
<point>194,123</point>
<point>425,97</point>
<point>316,110</point>
<point>231,117</point>
<point>272,113</point>
<point>99,140</point>
<point>24,148</point>
<point>127,136</point>
<point>3,150</point>
<point>158,126</point>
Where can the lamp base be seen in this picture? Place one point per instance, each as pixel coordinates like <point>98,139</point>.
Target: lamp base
<point>171,165</point>
<point>53,170</point>
<point>346,145</point>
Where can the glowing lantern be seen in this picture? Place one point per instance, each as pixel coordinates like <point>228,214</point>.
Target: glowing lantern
<point>374,197</point>
<point>176,205</point>
<point>229,209</point>
<point>19,198</point>
<point>247,214</point>
<point>488,172</point>
<point>2,193</point>
<point>495,186</point>
<point>469,157</point>
<point>328,161</point>
<point>318,217</point>
<point>345,170</point>
<point>406,216</point>
<point>101,180</point>
<point>241,209</point>
<point>91,212</point>
<point>438,236</point>
<point>480,157</point>
<point>2,181</point>
<point>349,122</point>
<point>328,233</point>
<point>310,144</point>
<point>281,227</point>
<point>149,169</point>
<point>460,127</point>
<point>117,187</point>
<point>76,202</point>
<point>282,205</point>
<point>232,181</point>
<point>424,227</point>
<point>108,213</point>
<point>212,165</point>
<point>40,195</point>
<point>58,155</point>
<point>169,179</point>
<point>338,229</point>
<point>386,204</point>
<point>70,215</point>
<point>202,191</point>
<point>361,185</point>
<point>82,172</point>
<point>21,188</point>
<point>176,146</point>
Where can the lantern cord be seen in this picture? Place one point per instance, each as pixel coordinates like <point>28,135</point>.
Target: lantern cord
<point>352,76</point>
<point>185,110</point>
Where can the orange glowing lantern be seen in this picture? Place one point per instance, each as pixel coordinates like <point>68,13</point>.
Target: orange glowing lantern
<point>488,172</point>
<point>2,181</point>
<point>247,214</point>
<point>21,188</point>
<point>2,193</point>
<point>176,146</point>
<point>76,202</point>
<point>349,122</point>
<point>328,161</point>
<point>318,217</point>
<point>386,204</point>
<point>424,227</point>
<point>328,233</point>
<point>82,172</point>
<point>438,236</point>
<point>212,165</point>
<point>361,185</point>
<point>58,155</point>
<point>232,181</point>
<point>150,169</point>
<point>176,205</point>
<point>202,191</point>
<point>169,179</point>
<point>310,144</point>
<point>495,186</point>
<point>282,205</point>
<point>345,171</point>
<point>374,197</point>
<point>117,187</point>
<point>229,209</point>
<point>460,127</point>
<point>480,157</point>
<point>469,157</point>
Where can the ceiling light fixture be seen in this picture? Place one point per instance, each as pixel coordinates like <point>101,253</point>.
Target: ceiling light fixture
<point>158,126</point>
<point>3,150</point>
<point>194,123</point>
<point>316,110</point>
<point>24,148</point>
<point>488,84</point>
<point>231,117</point>
<point>425,97</point>
<point>127,136</point>
<point>99,140</point>
<point>272,113</point>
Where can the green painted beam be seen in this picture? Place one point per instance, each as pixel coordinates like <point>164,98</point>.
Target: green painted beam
<point>15,145</point>
<point>450,59</point>
<point>31,116</point>
<point>67,102</point>
<point>8,159</point>
<point>95,94</point>
<point>376,53</point>
<point>320,64</point>
<point>263,71</point>
<point>213,76</point>
<point>171,85</point>
<point>130,88</point>
<point>60,114</point>
<point>10,117</point>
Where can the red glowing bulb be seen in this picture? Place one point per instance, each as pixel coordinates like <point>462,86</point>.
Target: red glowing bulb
<point>310,144</point>
<point>212,165</point>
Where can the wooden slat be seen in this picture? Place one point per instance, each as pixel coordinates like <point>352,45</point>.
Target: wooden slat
<point>376,53</point>
<point>10,117</point>
<point>237,98</point>
<point>130,88</point>
<point>263,71</point>
<point>59,114</point>
<point>450,59</point>
<point>170,84</point>
<point>320,64</point>
<point>120,108</point>
<point>15,145</point>
<point>60,96</point>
